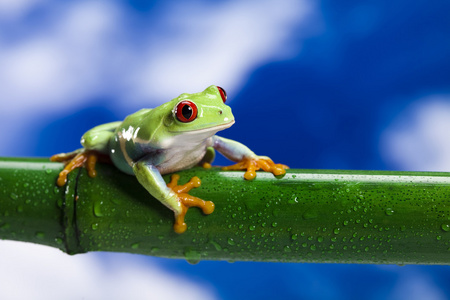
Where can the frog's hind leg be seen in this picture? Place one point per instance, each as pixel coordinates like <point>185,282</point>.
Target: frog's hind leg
<point>77,159</point>
<point>95,143</point>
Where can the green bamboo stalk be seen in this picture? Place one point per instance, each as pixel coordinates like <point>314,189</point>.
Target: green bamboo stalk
<point>305,216</point>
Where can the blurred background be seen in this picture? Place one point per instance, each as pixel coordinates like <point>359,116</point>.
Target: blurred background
<point>312,84</point>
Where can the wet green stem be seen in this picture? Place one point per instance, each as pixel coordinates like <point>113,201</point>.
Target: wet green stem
<point>306,216</point>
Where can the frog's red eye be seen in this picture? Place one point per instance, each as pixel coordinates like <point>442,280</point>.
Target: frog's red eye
<point>223,94</point>
<point>186,111</point>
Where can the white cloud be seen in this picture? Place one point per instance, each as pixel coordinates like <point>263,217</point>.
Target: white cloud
<point>59,63</point>
<point>418,140</point>
<point>84,50</point>
<point>218,44</point>
<point>30,271</point>
<point>413,285</point>
<point>16,9</point>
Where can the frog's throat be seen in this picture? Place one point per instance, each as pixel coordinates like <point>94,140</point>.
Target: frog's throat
<point>207,129</point>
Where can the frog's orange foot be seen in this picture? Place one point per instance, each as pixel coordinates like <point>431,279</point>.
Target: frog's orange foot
<point>206,165</point>
<point>86,158</point>
<point>187,200</point>
<point>251,165</point>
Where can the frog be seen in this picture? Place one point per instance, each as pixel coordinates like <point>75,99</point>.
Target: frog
<point>174,136</point>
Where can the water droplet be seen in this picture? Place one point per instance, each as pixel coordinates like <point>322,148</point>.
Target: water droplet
<point>445,227</point>
<point>115,200</point>
<point>252,227</point>
<point>193,257</point>
<point>294,237</point>
<point>313,247</point>
<point>389,211</point>
<point>40,235</point>
<point>439,237</point>
<point>231,242</point>
<point>135,246</point>
<point>287,249</point>
<point>94,226</point>
<point>320,239</point>
<point>14,196</point>
<point>217,246</point>
<point>310,214</point>
<point>97,208</point>
<point>336,230</point>
<point>274,224</point>
<point>293,200</point>
<point>249,203</point>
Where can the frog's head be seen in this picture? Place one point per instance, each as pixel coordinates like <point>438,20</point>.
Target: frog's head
<point>204,112</point>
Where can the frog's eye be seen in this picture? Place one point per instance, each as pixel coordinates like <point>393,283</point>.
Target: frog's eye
<point>223,94</point>
<point>186,111</point>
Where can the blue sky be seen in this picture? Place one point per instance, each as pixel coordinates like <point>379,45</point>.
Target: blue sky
<point>312,84</point>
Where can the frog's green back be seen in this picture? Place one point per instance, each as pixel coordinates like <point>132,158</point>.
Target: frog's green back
<point>135,118</point>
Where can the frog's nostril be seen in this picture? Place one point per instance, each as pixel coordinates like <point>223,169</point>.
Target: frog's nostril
<point>220,112</point>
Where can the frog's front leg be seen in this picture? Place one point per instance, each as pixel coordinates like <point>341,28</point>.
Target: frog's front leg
<point>172,195</point>
<point>245,158</point>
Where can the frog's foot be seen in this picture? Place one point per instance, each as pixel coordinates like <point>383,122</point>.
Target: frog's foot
<point>74,160</point>
<point>187,201</point>
<point>206,165</point>
<point>251,165</point>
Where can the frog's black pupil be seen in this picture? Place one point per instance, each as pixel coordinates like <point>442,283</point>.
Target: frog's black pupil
<point>186,111</point>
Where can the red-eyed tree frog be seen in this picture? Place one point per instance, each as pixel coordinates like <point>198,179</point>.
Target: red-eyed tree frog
<point>174,136</point>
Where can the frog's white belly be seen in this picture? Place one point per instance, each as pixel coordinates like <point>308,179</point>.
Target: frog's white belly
<point>181,158</point>
<point>177,153</point>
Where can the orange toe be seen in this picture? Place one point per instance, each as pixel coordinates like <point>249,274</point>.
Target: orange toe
<point>251,165</point>
<point>187,201</point>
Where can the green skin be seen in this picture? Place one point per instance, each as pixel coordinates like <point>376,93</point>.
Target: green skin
<point>153,142</point>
